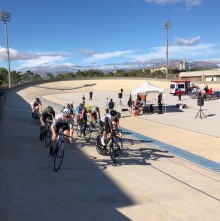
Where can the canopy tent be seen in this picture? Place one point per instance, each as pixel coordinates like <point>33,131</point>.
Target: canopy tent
<point>146,88</point>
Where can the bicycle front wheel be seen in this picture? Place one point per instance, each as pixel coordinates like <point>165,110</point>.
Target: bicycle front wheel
<point>118,140</point>
<point>115,152</point>
<point>47,138</point>
<point>78,131</point>
<point>87,133</point>
<point>58,158</point>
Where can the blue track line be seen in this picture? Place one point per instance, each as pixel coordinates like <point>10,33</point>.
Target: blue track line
<point>209,164</point>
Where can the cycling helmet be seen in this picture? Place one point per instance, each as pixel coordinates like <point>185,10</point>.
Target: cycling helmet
<point>66,112</point>
<point>88,107</point>
<point>49,109</point>
<point>37,99</point>
<point>113,113</point>
<point>97,109</point>
<point>70,103</point>
<point>118,115</point>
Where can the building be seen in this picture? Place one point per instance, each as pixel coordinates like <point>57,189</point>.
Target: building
<point>206,75</point>
<point>182,65</point>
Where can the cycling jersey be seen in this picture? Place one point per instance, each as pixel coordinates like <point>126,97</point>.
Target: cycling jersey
<point>46,115</point>
<point>61,121</point>
<point>107,118</point>
<point>35,103</point>
<point>78,109</point>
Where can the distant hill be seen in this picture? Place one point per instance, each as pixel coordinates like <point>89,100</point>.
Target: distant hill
<point>203,64</point>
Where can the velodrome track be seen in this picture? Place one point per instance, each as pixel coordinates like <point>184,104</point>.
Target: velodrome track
<point>150,184</point>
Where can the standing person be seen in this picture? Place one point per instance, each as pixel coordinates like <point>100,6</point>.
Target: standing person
<point>159,98</point>
<point>143,99</point>
<point>106,106</point>
<point>130,104</point>
<point>90,95</point>
<point>83,99</point>
<point>111,105</point>
<point>179,93</point>
<point>206,89</point>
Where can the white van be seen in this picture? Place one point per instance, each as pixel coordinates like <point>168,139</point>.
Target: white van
<point>180,84</point>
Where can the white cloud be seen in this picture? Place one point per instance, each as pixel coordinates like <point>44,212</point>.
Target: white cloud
<point>86,52</point>
<point>32,59</point>
<point>189,3</point>
<point>163,2</point>
<point>182,41</point>
<point>108,55</point>
<point>177,52</point>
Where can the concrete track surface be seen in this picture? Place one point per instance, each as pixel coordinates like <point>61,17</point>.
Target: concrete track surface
<point>153,181</point>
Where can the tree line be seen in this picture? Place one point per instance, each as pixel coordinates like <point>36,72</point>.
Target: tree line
<point>19,78</point>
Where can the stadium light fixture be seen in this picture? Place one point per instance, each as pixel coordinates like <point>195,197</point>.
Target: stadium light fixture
<point>5,16</point>
<point>166,25</point>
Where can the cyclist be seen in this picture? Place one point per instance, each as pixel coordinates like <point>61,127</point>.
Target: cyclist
<point>82,116</point>
<point>106,124</point>
<point>95,113</point>
<point>89,111</point>
<point>116,122</point>
<point>69,105</point>
<point>36,106</point>
<point>47,113</point>
<point>65,121</point>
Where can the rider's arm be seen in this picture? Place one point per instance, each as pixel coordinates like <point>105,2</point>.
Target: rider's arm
<point>42,119</point>
<point>82,114</point>
<point>40,106</point>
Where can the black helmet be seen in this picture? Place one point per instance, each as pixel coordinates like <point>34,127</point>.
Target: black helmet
<point>97,109</point>
<point>49,109</point>
<point>118,115</point>
<point>37,99</point>
<point>113,113</point>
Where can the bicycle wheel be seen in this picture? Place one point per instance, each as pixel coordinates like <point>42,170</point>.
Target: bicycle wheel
<point>115,152</point>
<point>79,131</point>
<point>58,158</point>
<point>87,133</point>
<point>100,149</point>
<point>47,138</point>
<point>119,142</point>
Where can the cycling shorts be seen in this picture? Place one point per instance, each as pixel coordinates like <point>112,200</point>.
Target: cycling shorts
<point>63,126</point>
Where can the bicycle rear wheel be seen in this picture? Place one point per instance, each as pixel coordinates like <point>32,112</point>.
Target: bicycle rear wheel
<point>115,152</point>
<point>87,133</point>
<point>58,158</point>
<point>47,138</point>
<point>100,149</point>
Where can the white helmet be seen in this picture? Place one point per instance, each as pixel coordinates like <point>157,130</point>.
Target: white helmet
<point>66,111</point>
<point>70,103</point>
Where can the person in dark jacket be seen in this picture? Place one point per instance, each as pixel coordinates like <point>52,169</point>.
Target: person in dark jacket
<point>111,105</point>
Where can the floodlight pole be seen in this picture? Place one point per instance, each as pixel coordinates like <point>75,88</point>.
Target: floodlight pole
<point>166,25</point>
<point>5,16</point>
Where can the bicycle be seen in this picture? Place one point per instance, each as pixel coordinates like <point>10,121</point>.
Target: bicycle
<point>113,147</point>
<point>58,151</point>
<point>83,129</point>
<point>47,135</point>
<point>95,127</point>
<point>36,116</point>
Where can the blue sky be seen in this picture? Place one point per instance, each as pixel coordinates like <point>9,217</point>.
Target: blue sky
<point>76,34</point>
